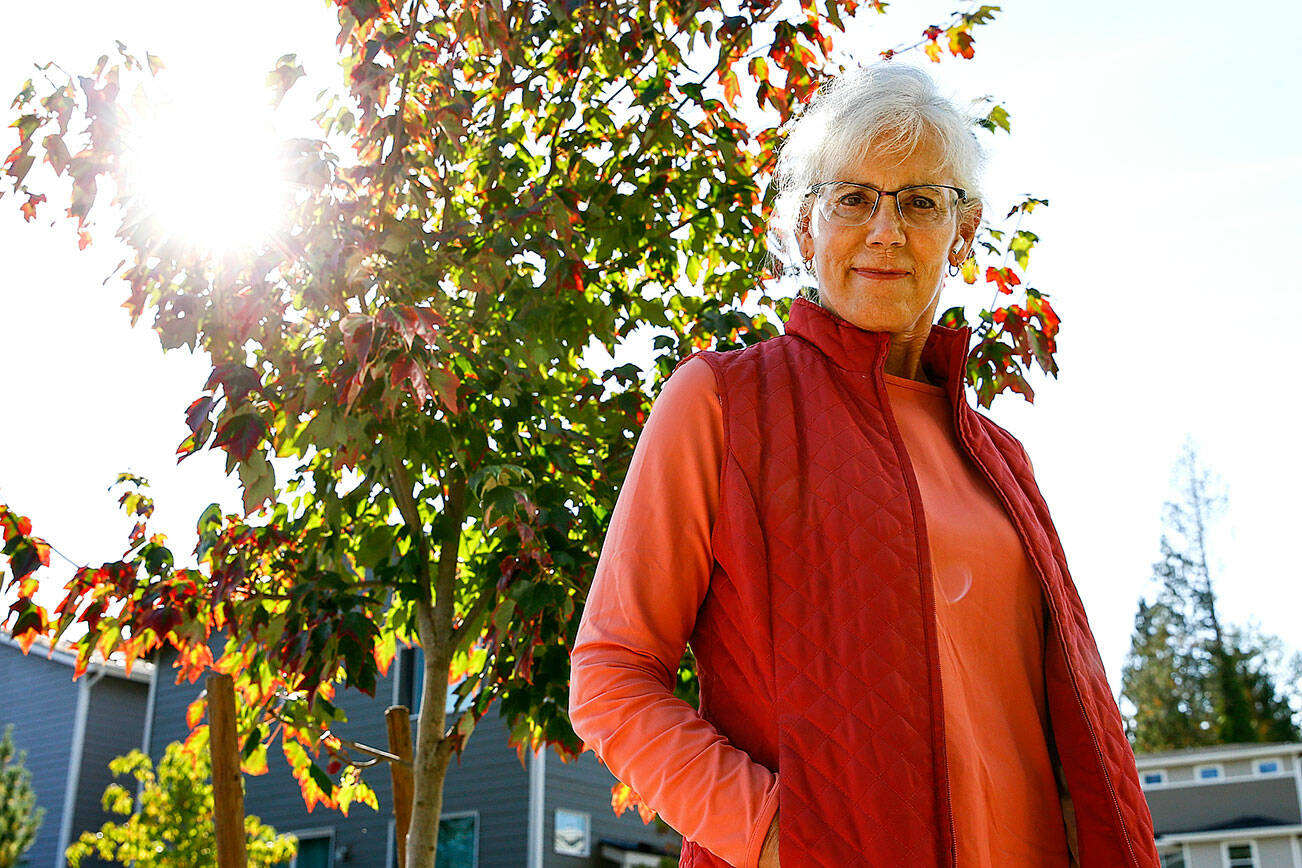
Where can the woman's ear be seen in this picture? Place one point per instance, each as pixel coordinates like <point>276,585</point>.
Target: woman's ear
<point>803,237</point>
<point>968,223</point>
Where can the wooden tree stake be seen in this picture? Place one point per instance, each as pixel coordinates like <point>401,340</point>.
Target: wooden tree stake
<point>227,784</point>
<point>397,720</point>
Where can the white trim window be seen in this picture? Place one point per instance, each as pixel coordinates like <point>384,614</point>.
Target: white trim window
<point>1172,859</point>
<point>1209,772</point>
<point>316,848</point>
<point>1268,765</point>
<point>572,833</point>
<point>1149,777</point>
<point>1240,854</point>
<point>458,845</point>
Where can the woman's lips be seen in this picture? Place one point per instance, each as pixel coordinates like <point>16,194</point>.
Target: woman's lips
<point>881,273</point>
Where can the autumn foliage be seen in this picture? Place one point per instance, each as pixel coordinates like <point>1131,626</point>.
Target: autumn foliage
<point>406,375</point>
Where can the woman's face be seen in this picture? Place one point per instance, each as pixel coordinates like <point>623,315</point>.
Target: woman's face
<point>884,275</point>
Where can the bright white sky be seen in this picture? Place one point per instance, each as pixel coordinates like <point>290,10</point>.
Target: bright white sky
<point>1165,135</point>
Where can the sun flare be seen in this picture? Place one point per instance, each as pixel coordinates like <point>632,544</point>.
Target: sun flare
<point>205,164</point>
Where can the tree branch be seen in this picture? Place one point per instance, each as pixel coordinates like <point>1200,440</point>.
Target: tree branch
<point>445,582</point>
<point>401,492</point>
<point>394,163</point>
<point>481,604</point>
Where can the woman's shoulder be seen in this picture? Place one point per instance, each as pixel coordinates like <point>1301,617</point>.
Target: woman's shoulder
<point>1004,440</point>
<point>692,389</point>
<point>725,361</point>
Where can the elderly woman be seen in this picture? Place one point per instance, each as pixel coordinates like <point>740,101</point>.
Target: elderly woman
<point>895,668</point>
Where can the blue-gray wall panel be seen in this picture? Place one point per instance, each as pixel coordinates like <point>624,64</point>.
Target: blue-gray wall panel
<point>584,785</point>
<point>491,780</point>
<point>114,727</point>
<point>40,700</point>
<point>274,797</point>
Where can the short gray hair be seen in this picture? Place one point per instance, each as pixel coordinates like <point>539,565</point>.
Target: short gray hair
<point>889,107</point>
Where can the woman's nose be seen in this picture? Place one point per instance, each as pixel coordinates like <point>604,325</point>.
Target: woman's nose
<point>885,226</point>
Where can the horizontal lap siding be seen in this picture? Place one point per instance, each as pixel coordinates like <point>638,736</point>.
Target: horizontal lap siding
<point>114,727</point>
<point>275,797</point>
<point>170,701</point>
<point>39,698</point>
<point>584,785</point>
<point>490,780</point>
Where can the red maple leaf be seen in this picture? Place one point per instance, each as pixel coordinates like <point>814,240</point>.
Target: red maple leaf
<point>1004,278</point>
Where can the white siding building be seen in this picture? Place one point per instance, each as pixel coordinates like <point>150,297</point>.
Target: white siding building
<point>1228,806</point>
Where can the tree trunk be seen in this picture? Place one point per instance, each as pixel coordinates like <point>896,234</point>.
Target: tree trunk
<point>433,751</point>
<point>434,621</point>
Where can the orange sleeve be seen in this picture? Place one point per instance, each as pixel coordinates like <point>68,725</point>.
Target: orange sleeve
<point>653,574</point>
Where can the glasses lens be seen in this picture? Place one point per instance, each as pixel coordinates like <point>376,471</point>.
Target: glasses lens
<point>925,206</point>
<point>847,204</point>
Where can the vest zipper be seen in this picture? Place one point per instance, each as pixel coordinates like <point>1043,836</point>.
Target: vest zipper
<point>924,562</point>
<point>1062,639</point>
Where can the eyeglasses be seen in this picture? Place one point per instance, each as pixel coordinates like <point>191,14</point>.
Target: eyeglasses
<point>922,206</point>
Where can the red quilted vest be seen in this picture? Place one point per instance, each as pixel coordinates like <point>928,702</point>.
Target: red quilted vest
<point>816,643</point>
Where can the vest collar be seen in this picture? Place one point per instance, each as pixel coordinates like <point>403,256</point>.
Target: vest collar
<point>856,349</point>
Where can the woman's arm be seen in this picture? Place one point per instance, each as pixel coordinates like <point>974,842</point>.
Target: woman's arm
<point>653,574</point>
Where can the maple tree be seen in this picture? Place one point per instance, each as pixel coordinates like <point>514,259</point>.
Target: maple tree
<point>427,452</point>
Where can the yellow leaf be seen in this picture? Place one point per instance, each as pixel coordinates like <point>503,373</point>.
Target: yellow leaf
<point>970,270</point>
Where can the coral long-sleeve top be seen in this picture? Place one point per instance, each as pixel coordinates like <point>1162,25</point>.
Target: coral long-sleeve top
<point>654,573</point>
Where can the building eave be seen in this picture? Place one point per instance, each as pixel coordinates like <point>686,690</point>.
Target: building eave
<point>1229,834</point>
<point>1219,753</point>
<point>141,670</point>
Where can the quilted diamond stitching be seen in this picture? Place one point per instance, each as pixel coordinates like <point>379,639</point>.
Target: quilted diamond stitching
<point>792,643</point>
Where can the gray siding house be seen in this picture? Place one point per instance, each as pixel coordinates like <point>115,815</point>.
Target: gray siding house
<point>498,812</point>
<point>70,730</point>
<point>1228,806</point>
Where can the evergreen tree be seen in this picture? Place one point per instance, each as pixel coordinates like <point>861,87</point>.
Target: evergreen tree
<point>19,816</point>
<point>1163,683</point>
<point>1190,679</point>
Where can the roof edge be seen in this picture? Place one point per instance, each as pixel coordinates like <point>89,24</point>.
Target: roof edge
<point>142,671</point>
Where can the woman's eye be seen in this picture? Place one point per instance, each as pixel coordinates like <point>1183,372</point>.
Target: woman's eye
<point>922,203</point>
<point>852,199</point>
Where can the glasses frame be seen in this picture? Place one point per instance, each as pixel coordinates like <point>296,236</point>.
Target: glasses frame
<point>814,190</point>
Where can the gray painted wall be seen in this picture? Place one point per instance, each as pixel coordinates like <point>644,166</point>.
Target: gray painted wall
<point>275,797</point>
<point>1271,853</point>
<point>40,699</point>
<point>584,785</point>
<point>114,728</point>
<point>1275,853</point>
<point>491,780</point>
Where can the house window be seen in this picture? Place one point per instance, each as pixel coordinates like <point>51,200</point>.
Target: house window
<point>572,836</point>
<point>1268,766</point>
<point>1155,777</point>
<point>1207,773</point>
<point>1173,859</point>
<point>1240,855</point>
<point>315,850</point>
<point>458,841</point>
